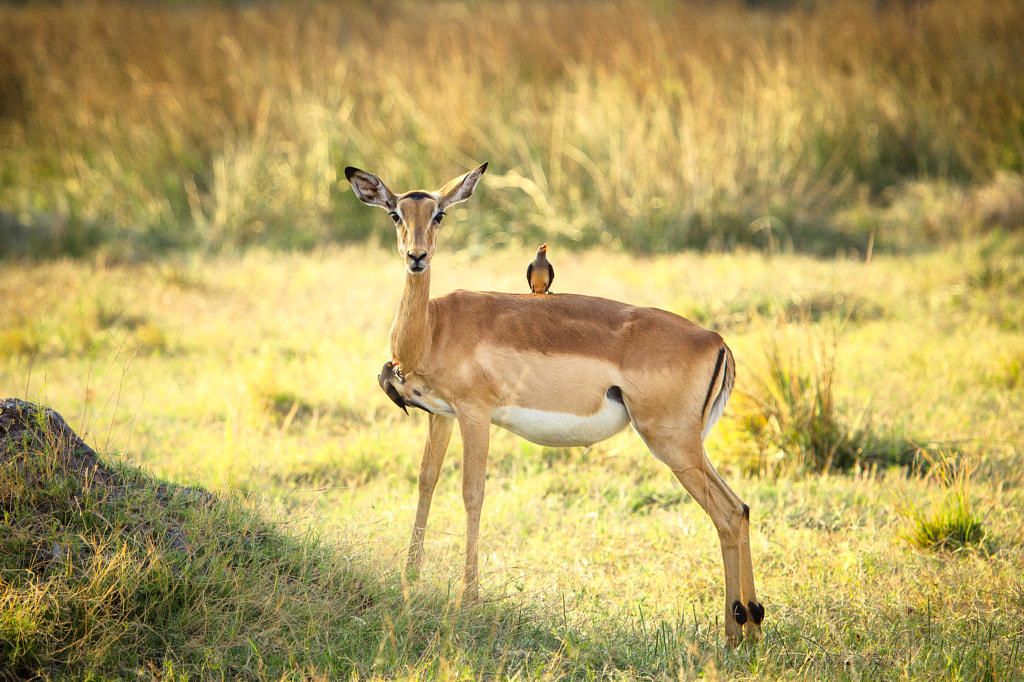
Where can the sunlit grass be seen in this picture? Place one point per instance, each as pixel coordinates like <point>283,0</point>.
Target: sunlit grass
<point>269,394</point>
<point>791,408</point>
<point>951,522</point>
<point>643,125</point>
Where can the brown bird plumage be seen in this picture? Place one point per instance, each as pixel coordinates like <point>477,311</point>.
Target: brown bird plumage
<point>540,274</point>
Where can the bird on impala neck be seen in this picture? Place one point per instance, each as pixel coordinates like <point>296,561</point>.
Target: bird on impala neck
<point>540,274</point>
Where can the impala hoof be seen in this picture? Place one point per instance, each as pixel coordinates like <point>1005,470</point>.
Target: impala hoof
<point>739,612</point>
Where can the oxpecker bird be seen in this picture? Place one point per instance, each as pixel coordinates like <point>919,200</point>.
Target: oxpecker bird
<point>540,274</point>
<point>389,375</point>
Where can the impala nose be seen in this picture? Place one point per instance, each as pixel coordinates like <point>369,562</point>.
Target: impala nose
<point>416,262</point>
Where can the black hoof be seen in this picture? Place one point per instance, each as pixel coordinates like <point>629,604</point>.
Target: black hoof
<point>739,613</point>
<point>756,611</point>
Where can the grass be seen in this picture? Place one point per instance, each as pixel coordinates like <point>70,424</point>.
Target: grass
<point>792,413</point>
<point>952,522</point>
<point>593,562</point>
<point>953,525</point>
<point>108,573</point>
<point>638,125</point>
<point>188,281</point>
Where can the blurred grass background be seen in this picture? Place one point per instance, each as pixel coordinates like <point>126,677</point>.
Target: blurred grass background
<point>133,130</point>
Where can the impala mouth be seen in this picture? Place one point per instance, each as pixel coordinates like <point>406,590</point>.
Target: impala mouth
<point>416,268</point>
<point>417,264</point>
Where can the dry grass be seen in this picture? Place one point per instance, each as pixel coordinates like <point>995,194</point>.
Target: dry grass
<point>627,123</point>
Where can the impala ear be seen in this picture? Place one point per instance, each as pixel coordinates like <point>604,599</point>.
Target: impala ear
<point>370,190</point>
<point>460,188</point>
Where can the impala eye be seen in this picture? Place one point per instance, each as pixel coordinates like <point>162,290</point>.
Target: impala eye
<point>437,218</point>
<point>395,216</point>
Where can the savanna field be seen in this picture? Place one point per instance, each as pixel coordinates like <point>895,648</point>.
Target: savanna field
<point>185,276</point>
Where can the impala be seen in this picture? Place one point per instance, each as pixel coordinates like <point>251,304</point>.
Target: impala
<point>558,370</point>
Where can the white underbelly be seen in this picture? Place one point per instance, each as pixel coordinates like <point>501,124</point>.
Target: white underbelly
<point>561,429</point>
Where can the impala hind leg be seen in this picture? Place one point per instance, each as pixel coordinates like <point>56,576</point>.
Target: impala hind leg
<point>731,518</point>
<point>438,437</point>
<point>755,610</point>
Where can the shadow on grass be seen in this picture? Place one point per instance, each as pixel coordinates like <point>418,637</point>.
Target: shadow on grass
<point>107,572</point>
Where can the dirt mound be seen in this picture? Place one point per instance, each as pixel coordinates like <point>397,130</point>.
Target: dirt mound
<point>47,471</point>
<point>27,430</point>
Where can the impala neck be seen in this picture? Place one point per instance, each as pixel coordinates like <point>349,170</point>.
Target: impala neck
<point>410,332</point>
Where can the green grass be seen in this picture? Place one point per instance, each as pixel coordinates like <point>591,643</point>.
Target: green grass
<point>791,410</point>
<point>594,564</point>
<point>108,573</point>
<point>952,523</point>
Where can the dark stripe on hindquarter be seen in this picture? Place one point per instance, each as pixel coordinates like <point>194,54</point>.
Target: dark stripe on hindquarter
<point>714,380</point>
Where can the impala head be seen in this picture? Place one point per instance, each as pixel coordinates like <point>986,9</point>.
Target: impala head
<point>417,214</point>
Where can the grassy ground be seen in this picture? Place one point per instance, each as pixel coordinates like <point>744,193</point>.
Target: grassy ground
<point>594,563</point>
<point>186,280</point>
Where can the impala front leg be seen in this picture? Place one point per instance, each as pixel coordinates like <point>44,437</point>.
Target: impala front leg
<point>440,433</point>
<point>475,442</point>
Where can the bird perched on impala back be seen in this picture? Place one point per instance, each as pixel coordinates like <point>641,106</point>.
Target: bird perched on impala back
<point>540,274</point>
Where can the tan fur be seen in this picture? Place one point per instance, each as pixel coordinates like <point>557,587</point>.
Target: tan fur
<point>560,353</point>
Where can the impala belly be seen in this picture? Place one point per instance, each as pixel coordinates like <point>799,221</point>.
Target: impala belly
<point>563,429</point>
<point>553,429</point>
<point>554,399</point>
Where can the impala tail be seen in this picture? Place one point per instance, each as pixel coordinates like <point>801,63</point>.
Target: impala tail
<point>719,390</point>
